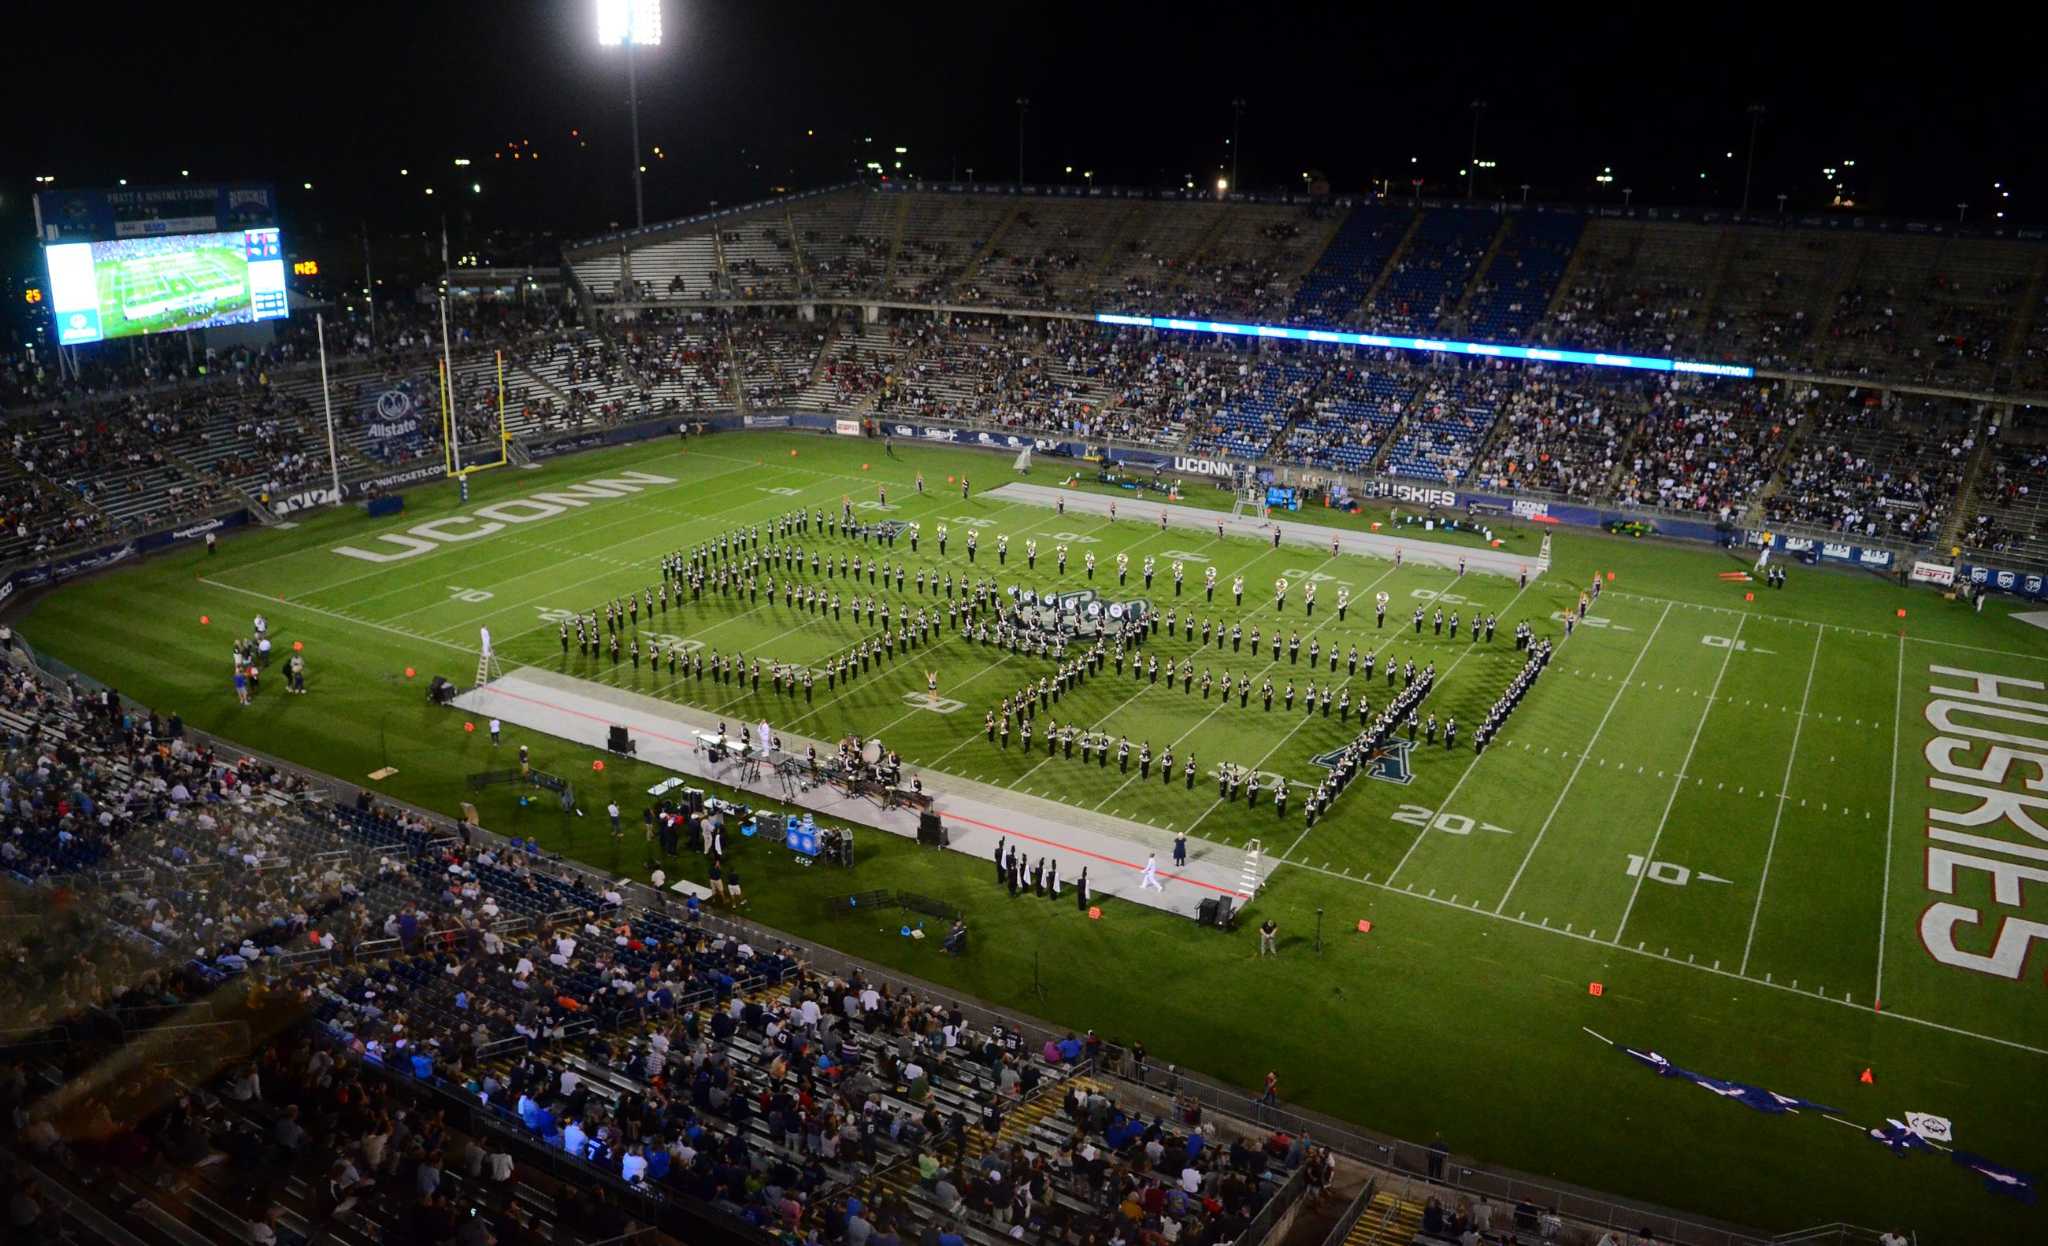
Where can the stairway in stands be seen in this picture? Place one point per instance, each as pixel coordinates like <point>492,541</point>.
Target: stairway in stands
<point>1389,1220</point>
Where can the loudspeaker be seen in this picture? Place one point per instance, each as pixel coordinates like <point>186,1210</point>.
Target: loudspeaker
<point>1223,905</point>
<point>440,692</point>
<point>1207,912</point>
<point>931,831</point>
<point>620,742</point>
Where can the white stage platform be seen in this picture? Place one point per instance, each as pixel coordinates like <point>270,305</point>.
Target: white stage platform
<point>976,815</point>
<point>1143,510</point>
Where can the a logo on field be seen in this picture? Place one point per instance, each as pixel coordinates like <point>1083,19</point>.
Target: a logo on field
<point>1389,766</point>
<point>939,705</point>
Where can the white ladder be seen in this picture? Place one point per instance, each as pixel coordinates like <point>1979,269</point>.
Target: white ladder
<point>1248,884</point>
<point>487,668</point>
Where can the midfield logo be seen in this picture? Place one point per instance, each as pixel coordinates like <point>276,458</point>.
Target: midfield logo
<point>1390,766</point>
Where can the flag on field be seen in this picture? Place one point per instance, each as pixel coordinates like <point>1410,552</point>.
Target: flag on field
<point>1999,1179</point>
<point>1901,1139</point>
<point>1755,1097</point>
<point>1932,1128</point>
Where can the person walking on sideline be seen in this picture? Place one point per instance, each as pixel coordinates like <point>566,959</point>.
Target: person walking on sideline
<point>612,811</point>
<point>496,728</point>
<point>1150,878</point>
<point>1268,930</point>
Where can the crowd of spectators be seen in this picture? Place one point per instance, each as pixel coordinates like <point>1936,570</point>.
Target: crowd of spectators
<point>355,977</point>
<point>1707,446</point>
<point>1871,469</point>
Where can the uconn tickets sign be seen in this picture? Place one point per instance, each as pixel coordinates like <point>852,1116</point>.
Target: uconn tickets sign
<point>424,538</point>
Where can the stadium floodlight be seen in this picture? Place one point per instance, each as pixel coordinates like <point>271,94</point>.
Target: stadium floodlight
<point>631,24</point>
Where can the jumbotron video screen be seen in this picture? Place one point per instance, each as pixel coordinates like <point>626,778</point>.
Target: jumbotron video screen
<point>131,286</point>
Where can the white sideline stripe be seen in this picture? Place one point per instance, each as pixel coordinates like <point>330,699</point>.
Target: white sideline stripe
<point>1543,830</point>
<point>296,552</point>
<point>1891,818</point>
<point>1715,970</point>
<point>1650,855</point>
<point>281,606</point>
<point>1778,821</point>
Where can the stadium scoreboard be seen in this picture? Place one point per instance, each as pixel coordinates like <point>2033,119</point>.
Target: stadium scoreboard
<point>131,262</point>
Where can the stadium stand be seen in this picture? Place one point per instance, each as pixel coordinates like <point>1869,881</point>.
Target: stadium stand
<point>1706,447</point>
<point>1449,420</point>
<point>1560,438</point>
<point>1514,291</point>
<point>1865,469</point>
<point>2010,500</point>
<point>1335,288</point>
<point>1432,269</point>
<point>359,1025</point>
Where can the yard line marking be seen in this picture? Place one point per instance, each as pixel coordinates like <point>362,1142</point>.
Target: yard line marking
<point>1771,851</point>
<point>1839,627</point>
<point>1651,854</point>
<point>1891,817</point>
<point>1573,778</point>
<point>469,650</point>
<point>1135,695</point>
<point>1262,671</point>
<point>1470,767</point>
<point>383,570</point>
<point>558,590</point>
<point>1543,925</point>
<point>1464,653</point>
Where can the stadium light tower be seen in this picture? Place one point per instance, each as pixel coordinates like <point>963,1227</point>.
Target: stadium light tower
<point>1236,134</point>
<point>631,24</point>
<point>1023,106</point>
<point>1472,167</point>
<point>1756,119</point>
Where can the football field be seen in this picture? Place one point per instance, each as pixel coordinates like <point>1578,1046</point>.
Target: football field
<point>1719,803</point>
<point>150,293</point>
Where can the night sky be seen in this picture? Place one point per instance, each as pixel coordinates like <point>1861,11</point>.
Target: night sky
<point>744,98</point>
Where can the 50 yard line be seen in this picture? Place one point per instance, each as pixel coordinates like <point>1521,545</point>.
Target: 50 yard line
<point>1784,799</point>
<point>1683,766</point>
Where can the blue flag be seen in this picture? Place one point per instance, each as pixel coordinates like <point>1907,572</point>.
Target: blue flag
<point>1755,1097</point>
<point>1900,1139</point>
<point>1999,1179</point>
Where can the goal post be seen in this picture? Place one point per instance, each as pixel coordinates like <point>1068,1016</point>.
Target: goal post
<point>451,425</point>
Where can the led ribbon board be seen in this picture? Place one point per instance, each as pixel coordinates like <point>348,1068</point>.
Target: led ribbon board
<point>1338,337</point>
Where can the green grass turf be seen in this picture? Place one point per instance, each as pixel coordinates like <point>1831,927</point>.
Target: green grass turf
<point>1498,888</point>
<point>138,281</point>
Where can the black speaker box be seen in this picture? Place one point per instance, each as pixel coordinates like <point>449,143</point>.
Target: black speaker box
<point>930,830</point>
<point>620,741</point>
<point>1208,912</point>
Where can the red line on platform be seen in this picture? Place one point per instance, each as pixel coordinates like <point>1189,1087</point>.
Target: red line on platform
<point>987,826</point>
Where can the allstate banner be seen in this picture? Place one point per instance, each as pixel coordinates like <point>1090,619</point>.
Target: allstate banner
<point>397,416</point>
